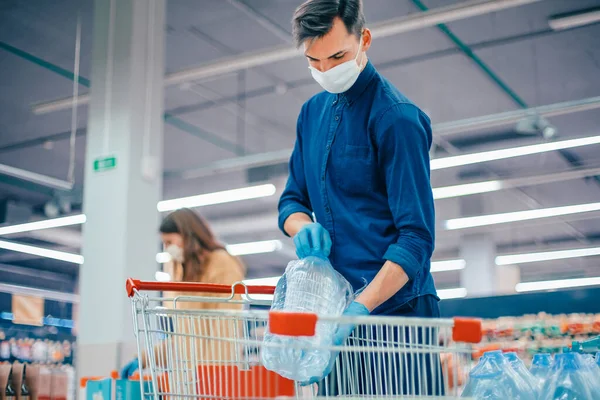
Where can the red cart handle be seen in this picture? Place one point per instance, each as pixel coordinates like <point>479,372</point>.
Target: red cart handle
<point>133,285</point>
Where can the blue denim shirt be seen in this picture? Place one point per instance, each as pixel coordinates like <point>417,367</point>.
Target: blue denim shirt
<point>361,165</point>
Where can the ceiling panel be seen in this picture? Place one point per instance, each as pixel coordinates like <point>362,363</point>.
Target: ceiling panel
<point>441,86</point>
<point>512,21</point>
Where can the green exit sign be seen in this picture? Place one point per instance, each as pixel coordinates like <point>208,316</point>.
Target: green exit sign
<point>105,163</point>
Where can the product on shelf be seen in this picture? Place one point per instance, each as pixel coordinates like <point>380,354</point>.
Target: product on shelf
<point>29,350</point>
<point>9,392</point>
<point>532,334</point>
<point>25,392</point>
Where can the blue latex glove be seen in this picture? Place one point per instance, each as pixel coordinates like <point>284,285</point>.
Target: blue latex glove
<point>130,368</point>
<point>312,239</point>
<point>339,338</point>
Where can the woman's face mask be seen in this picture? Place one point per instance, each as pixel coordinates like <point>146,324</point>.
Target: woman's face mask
<point>175,252</point>
<point>341,77</point>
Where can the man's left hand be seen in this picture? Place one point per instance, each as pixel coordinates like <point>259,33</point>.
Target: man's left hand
<point>340,336</point>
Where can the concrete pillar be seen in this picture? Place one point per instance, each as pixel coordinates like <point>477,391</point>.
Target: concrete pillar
<point>481,276</point>
<point>507,277</point>
<point>122,176</point>
<point>478,276</point>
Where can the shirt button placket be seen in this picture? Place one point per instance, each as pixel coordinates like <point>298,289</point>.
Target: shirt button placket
<point>334,127</point>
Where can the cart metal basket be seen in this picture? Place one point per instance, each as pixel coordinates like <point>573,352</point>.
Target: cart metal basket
<point>204,341</point>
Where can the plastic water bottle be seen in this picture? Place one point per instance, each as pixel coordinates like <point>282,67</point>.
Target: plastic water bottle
<point>308,285</point>
<point>567,380</point>
<point>518,366</point>
<point>540,368</point>
<point>495,379</point>
<point>592,372</point>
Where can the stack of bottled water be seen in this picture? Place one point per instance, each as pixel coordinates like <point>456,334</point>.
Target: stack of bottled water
<point>308,285</point>
<point>494,378</point>
<point>570,376</point>
<point>540,367</point>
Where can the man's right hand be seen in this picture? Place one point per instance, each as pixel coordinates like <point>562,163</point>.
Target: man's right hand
<point>312,239</point>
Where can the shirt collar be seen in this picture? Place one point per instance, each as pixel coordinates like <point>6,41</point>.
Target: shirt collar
<point>365,77</point>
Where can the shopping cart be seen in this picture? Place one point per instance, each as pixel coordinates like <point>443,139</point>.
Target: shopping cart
<point>216,354</point>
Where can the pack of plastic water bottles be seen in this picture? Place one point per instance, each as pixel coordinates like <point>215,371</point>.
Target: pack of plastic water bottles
<point>566,376</point>
<point>308,285</point>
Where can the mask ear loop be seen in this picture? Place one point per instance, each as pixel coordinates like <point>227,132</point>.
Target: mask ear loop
<point>360,65</point>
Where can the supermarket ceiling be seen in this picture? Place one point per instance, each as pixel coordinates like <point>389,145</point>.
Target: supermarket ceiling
<point>520,63</point>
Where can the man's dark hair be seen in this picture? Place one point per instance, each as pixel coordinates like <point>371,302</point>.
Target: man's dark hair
<point>314,18</point>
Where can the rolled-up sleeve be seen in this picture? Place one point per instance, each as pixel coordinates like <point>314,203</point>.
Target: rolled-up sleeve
<point>295,198</point>
<point>403,135</point>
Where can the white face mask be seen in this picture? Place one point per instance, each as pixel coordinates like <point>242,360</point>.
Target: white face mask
<point>341,77</point>
<point>175,252</point>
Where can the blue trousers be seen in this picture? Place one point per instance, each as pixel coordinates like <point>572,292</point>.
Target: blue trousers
<point>394,365</point>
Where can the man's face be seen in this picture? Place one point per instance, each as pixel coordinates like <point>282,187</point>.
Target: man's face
<point>335,48</point>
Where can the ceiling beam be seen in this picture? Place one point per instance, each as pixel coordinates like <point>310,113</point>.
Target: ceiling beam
<point>39,141</point>
<point>383,66</point>
<point>440,131</point>
<point>262,20</point>
<point>451,128</point>
<point>36,273</point>
<point>84,99</point>
<point>33,177</point>
<point>46,294</point>
<point>493,76</point>
<point>69,238</point>
<point>412,22</point>
<point>267,222</point>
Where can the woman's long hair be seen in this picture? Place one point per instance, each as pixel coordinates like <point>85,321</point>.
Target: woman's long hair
<point>198,240</point>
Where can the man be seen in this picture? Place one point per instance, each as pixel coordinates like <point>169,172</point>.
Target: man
<point>361,165</point>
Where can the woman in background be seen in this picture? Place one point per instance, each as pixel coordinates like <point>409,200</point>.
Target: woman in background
<point>196,256</point>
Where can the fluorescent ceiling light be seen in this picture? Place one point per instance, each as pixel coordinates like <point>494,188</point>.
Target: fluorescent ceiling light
<point>446,192</point>
<point>447,265</point>
<point>161,276</point>
<point>547,256</point>
<point>45,224</point>
<point>455,293</point>
<point>493,155</point>
<point>467,189</point>
<point>574,20</point>
<point>239,249</point>
<point>493,219</point>
<point>226,196</point>
<point>557,284</point>
<point>163,257</point>
<point>266,246</point>
<point>38,251</point>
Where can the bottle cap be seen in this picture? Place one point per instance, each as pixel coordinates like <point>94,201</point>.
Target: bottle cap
<point>542,359</point>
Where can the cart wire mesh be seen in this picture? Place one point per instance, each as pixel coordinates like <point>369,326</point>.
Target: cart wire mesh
<point>212,353</point>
